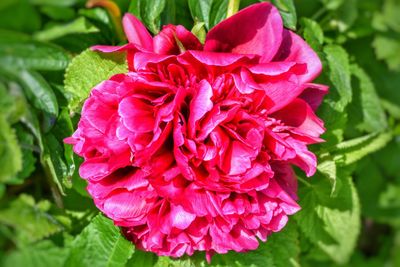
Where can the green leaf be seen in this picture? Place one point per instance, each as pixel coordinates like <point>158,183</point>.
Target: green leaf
<point>355,149</point>
<point>210,12</point>
<point>13,16</point>
<point>218,12</point>
<point>391,108</point>
<point>332,4</point>
<point>39,91</point>
<point>374,118</point>
<point>96,14</point>
<point>281,250</point>
<point>8,104</point>
<point>30,120</point>
<point>62,3</point>
<point>2,190</point>
<point>386,48</point>
<point>79,26</point>
<point>26,141</point>
<point>386,81</point>
<point>149,11</point>
<point>102,21</point>
<point>100,244</point>
<point>312,33</point>
<point>387,158</point>
<point>346,15</point>
<point>58,158</point>
<point>184,261</point>
<point>288,12</point>
<point>87,70</point>
<point>54,163</point>
<point>19,51</point>
<point>200,11</point>
<point>367,170</point>
<point>31,221</point>
<point>329,169</point>
<point>10,152</point>
<point>168,16</point>
<point>63,129</point>
<point>334,120</point>
<point>389,16</point>
<point>283,247</point>
<point>79,184</point>
<point>379,196</point>
<point>390,197</point>
<point>339,74</point>
<point>176,12</point>
<point>44,253</point>
<point>343,225</point>
<point>58,12</point>
<point>135,8</point>
<point>330,223</point>
<point>142,259</point>
<point>313,198</point>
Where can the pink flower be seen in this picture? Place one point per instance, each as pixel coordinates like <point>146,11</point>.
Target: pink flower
<point>191,150</point>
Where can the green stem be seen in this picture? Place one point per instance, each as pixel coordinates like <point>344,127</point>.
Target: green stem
<point>319,13</point>
<point>233,7</point>
<point>304,182</point>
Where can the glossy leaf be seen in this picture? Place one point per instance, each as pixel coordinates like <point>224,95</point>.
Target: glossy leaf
<point>149,11</point>
<point>209,12</point>
<point>19,51</point>
<point>39,92</point>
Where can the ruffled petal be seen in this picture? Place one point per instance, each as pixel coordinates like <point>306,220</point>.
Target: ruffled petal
<point>300,116</point>
<point>201,103</point>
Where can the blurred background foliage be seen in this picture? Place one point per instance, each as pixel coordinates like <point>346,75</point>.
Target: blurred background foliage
<point>351,207</point>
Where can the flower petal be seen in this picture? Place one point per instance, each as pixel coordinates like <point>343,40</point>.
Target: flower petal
<point>136,32</point>
<point>165,42</point>
<point>253,30</point>
<point>180,218</point>
<point>299,115</point>
<point>200,104</point>
<point>112,49</point>
<point>124,205</point>
<point>314,94</point>
<point>295,49</point>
